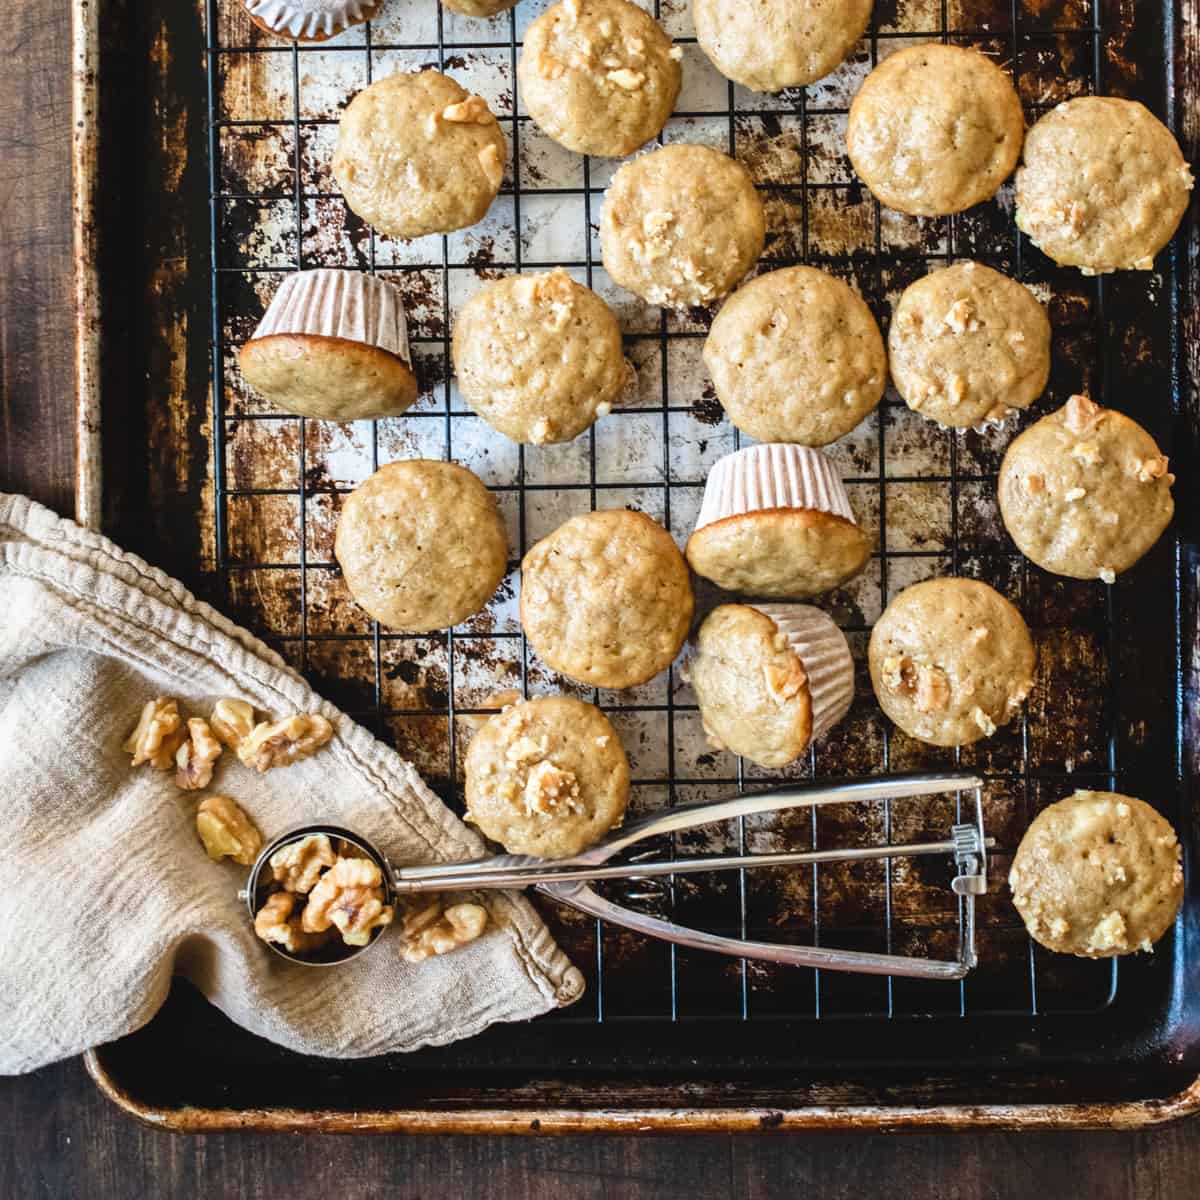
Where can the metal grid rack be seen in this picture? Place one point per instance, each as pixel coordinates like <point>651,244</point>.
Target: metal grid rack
<point>277,480</point>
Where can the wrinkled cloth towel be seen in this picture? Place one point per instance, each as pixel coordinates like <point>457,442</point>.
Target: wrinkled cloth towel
<point>106,890</point>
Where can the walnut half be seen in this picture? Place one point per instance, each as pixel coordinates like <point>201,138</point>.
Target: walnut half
<point>226,831</point>
<point>298,865</point>
<point>350,896</point>
<point>195,757</point>
<point>284,742</point>
<point>431,930</point>
<point>157,735</point>
<point>231,721</point>
<point>275,922</point>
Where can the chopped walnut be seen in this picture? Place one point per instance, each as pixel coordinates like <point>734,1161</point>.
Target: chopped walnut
<point>471,111</point>
<point>524,749</point>
<point>549,67</point>
<point>980,633</point>
<point>431,931</point>
<point>274,922</point>
<point>929,686</point>
<point>226,831</point>
<point>1108,933</point>
<point>961,317</point>
<point>284,742</point>
<point>350,896</point>
<point>1086,452</point>
<point>1082,414</point>
<point>1152,468</point>
<point>1035,484</point>
<point>1075,493</point>
<point>1106,575</point>
<point>958,389</point>
<point>231,721</point>
<point>933,689</point>
<point>983,721</point>
<point>624,78</point>
<point>157,735</point>
<point>1059,927</point>
<point>195,757</point>
<point>492,164</point>
<point>548,786</point>
<point>298,865</point>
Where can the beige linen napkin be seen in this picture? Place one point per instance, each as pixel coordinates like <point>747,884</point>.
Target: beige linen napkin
<point>106,890</point>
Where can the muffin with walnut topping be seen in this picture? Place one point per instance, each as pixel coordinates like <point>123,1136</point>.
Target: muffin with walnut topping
<point>968,345</point>
<point>1085,492</point>
<point>951,661</point>
<point>1098,874</point>
<point>547,777</point>
<point>600,77</point>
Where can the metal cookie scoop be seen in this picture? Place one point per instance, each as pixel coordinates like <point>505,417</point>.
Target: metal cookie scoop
<point>565,879</point>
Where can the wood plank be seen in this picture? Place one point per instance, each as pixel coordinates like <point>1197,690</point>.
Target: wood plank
<point>37,449</point>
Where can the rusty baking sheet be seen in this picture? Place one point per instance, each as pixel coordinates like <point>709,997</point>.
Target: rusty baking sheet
<point>229,136</point>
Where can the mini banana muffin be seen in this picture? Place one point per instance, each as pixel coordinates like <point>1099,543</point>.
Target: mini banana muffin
<point>479,8</point>
<point>309,20</point>
<point>599,76</point>
<point>539,357</point>
<point>681,225</point>
<point>776,44</point>
<point>421,545</point>
<point>418,154</point>
<point>606,598</point>
<point>333,344</point>
<point>796,356</point>
<point>1098,874</point>
<point>968,345</point>
<point>935,129</point>
<point>1104,185</point>
<point>1084,492</point>
<point>546,777</point>
<point>951,661</point>
<point>770,680</point>
<point>776,521</point>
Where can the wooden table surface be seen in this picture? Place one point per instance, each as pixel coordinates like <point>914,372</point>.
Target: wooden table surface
<point>59,1138</point>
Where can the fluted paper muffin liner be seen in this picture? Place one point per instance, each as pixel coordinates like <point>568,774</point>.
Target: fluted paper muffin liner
<point>773,476</point>
<point>822,649</point>
<point>341,304</point>
<point>310,20</point>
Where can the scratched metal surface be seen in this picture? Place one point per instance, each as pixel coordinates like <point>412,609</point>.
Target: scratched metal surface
<point>1103,710</point>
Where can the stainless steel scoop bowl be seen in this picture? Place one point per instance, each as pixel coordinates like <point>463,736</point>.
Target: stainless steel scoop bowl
<point>565,879</point>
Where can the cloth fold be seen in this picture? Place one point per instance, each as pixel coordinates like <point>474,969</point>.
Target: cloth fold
<point>107,891</point>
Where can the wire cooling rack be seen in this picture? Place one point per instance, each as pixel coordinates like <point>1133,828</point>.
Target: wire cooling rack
<point>929,494</point>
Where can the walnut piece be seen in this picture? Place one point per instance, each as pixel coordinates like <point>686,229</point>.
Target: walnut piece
<point>284,742</point>
<point>226,831</point>
<point>298,865</point>
<point>350,896</point>
<point>275,922</point>
<point>1087,453</point>
<point>157,735</point>
<point>929,686</point>
<point>231,721</point>
<point>471,111</point>
<point>1150,469</point>
<point>1073,494</point>
<point>1106,575</point>
<point>984,722</point>
<point>1082,414</point>
<point>492,164</point>
<point>548,786</point>
<point>626,79</point>
<point>195,757</point>
<point>1108,933</point>
<point>432,931</point>
<point>1035,484</point>
<point>961,317</point>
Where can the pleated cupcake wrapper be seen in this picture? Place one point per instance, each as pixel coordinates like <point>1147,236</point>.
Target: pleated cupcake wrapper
<point>341,304</point>
<point>822,649</point>
<point>310,18</point>
<point>773,476</point>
